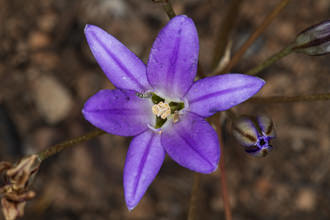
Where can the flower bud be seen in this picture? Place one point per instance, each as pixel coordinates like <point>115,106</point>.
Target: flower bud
<point>314,40</point>
<point>254,133</point>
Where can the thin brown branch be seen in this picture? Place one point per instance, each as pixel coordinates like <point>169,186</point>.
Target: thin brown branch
<point>193,206</point>
<point>286,99</point>
<point>224,189</point>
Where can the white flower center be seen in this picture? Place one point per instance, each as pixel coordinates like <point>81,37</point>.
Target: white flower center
<point>161,110</point>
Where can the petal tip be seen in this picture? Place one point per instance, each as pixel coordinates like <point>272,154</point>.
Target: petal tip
<point>212,169</point>
<point>88,27</point>
<point>182,17</point>
<point>256,82</point>
<point>84,112</point>
<point>262,81</point>
<point>215,168</point>
<point>259,84</point>
<point>130,207</point>
<point>131,202</point>
<point>208,170</point>
<point>182,20</point>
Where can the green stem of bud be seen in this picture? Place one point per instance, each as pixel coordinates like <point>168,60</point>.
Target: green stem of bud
<point>286,99</point>
<point>61,146</point>
<point>277,56</point>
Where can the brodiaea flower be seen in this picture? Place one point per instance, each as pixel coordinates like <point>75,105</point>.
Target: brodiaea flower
<point>160,104</point>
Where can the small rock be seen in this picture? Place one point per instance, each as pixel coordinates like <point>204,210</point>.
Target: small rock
<point>47,22</point>
<point>38,40</point>
<point>52,99</point>
<point>306,200</point>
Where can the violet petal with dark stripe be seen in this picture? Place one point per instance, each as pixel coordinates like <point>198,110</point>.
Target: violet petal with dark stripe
<point>123,68</point>
<point>218,93</point>
<point>144,158</point>
<point>192,143</point>
<point>118,112</point>
<point>173,59</point>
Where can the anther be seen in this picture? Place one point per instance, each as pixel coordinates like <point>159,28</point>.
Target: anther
<point>176,117</point>
<point>161,110</point>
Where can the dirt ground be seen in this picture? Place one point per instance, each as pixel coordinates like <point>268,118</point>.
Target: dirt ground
<point>47,72</point>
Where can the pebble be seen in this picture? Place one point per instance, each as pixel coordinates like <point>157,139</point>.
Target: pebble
<point>52,99</point>
<point>306,200</point>
<point>38,40</point>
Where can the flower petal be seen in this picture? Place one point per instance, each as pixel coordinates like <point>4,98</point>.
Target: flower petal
<point>124,69</point>
<point>266,125</point>
<point>192,143</point>
<point>218,93</point>
<point>245,131</point>
<point>144,158</point>
<point>118,112</point>
<point>173,58</point>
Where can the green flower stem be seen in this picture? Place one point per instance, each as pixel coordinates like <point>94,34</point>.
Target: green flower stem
<point>284,52</point>
<point>266,22</point>
<point>286,99</point>
<point>167,6</point>
<point>69,143</point>
<point>193,206</point>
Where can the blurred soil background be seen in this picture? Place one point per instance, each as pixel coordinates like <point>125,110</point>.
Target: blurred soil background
<point>47,72</point>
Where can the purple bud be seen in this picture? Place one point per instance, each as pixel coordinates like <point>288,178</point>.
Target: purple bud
<point>314,40</point>
<point>255,134</point>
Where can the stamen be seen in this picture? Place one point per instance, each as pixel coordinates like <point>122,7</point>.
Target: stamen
<point>161,110</point>
<point>176,117</point>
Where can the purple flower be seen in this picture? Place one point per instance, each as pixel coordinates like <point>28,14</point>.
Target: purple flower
<point>255,134</point>
<point>160,104</point>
